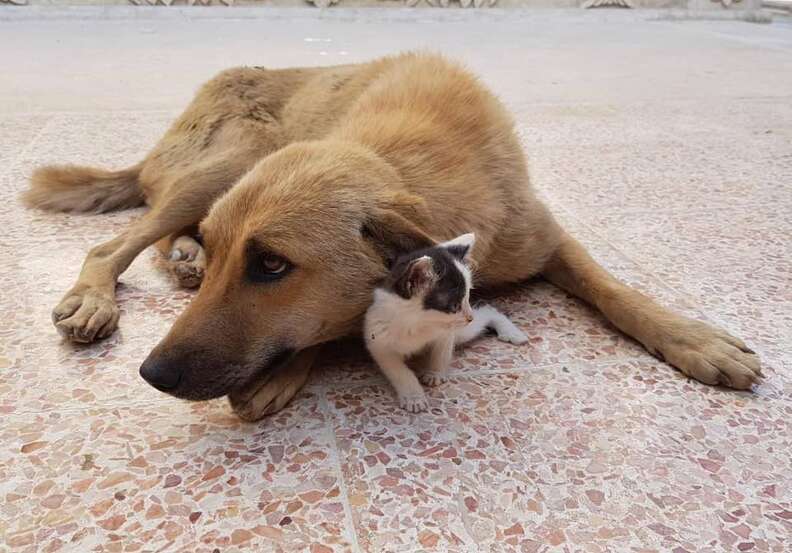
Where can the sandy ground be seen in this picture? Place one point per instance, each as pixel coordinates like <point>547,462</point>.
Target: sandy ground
<point>665,147</point>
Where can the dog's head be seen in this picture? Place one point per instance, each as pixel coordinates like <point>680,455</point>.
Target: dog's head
<point>294,251</point>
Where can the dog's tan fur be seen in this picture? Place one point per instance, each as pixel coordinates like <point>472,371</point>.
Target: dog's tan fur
<point>336,169</point>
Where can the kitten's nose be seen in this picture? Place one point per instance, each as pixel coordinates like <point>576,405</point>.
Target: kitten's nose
<point>469,317</point>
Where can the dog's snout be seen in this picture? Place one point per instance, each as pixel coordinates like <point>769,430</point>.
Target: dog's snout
<point>161,373</point>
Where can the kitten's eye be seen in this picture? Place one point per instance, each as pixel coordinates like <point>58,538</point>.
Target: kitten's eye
<point>267,267</point>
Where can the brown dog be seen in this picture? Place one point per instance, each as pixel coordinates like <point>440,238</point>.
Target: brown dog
<point>305,183</point>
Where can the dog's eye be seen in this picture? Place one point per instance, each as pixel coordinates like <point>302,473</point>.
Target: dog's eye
<point>273,264</point>
<point>267,267</point>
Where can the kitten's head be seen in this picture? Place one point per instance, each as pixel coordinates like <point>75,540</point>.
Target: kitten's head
<point>438,279</point>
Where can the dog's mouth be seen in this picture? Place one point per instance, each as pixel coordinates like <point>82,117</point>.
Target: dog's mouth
<point>268,368</point>
<point>204,382</point>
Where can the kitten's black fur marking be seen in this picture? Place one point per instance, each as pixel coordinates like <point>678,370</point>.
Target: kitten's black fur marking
<point>449,288</point>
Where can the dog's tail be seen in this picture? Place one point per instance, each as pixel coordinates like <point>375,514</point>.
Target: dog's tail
<point>72,188</point>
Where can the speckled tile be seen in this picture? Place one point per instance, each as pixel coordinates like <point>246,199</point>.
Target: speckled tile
<point>661,156</point>
<point>739,124</point>
<point>661,176</point>
<point>35,364</point>
<point>106,139</point>
<point>42,256</point>
<point>744,261</point>
<point>718,289</point>
<point>409,477</point>
<point>631,455</point>
<point>560,328</point>
<point>111,140</point>
<point>520,462</point>
<point>719,240</point>
<point>168,476</point>
<point>17,132</point>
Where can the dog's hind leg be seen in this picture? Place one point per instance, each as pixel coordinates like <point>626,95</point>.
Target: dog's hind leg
<point>184,257</point>
<point>89,311</point>
<point>187,261</point>
<point>699,350</point>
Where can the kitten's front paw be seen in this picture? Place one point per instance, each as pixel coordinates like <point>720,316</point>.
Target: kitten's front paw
<point>513,336</point>
<point>432,379</point>
<point>414,403</point>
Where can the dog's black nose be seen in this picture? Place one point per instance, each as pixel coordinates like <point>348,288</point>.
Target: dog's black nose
<point>161,374</point>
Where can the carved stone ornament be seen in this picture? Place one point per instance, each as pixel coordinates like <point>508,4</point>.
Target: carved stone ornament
<point>603,3</point>
<point>411,3</point>
<point>317,3</point>
<point>188,2</point>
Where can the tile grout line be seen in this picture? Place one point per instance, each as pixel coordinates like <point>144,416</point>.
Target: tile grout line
<point>555,203</point>
<point>33,141</point>
<point>709,315</point>
<point>370,380</point>
<point>594,209</point>
<point>336,454</point>
<point>105,404</point>
<point>687,296</point>
<point>516,107</point>
<point>571,364</point>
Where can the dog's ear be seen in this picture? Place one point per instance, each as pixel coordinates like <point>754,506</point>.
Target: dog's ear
<point>390,229</point>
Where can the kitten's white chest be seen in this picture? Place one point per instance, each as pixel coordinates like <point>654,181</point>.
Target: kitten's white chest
<point>400,325</point>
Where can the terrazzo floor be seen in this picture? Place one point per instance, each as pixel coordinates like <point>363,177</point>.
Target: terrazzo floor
<point>672,164</point>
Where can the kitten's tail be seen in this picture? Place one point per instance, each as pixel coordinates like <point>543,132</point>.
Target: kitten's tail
<point>486,317</point>
<point>482,317</point>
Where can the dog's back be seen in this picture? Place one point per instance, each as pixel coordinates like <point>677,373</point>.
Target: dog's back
<point>454,145</point>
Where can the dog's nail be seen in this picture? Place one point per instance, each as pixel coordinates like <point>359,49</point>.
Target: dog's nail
<point>746,349</point>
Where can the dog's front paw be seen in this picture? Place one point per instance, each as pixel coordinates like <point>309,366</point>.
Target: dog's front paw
<point>85,315</point>
<point>414,403</point>
<point>710,355</point>
<point>268,393</point>
<point>432,379</point>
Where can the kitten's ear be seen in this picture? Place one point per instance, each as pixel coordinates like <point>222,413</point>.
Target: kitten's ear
<point>461,247</point>
<point>418,275</point>
<point>391,231</point>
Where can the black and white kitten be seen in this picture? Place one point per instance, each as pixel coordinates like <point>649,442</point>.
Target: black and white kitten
<point>424,305</point>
